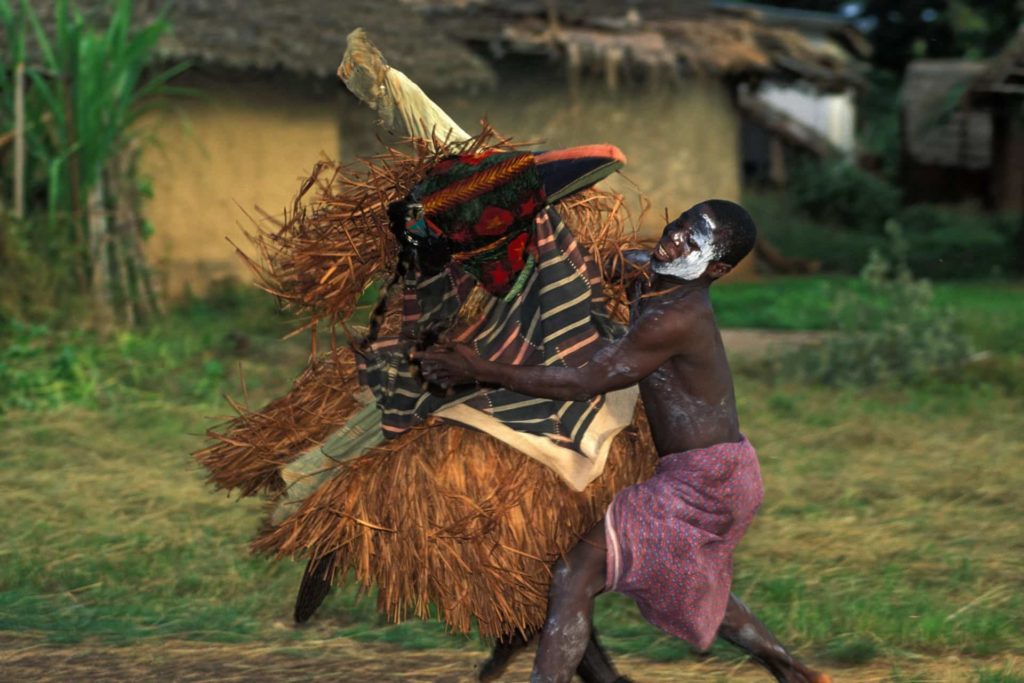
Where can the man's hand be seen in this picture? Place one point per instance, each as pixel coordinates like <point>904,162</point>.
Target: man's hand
<point>448,365</point>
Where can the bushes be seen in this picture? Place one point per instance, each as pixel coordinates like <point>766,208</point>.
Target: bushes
<point>801,237</point>
<point>190,355</point>
<point>888,330</point>
<point>35,373</point>
<point>836,212</point>
<point>945,242</point>
<point>843,194</point>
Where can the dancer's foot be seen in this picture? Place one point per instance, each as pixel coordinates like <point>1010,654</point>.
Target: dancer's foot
<point>501,656</point>
<point>493,669</point>
<point>792,671</point>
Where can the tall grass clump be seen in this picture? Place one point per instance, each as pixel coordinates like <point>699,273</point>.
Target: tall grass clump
<point>72,96</point>
<point>888,330</point>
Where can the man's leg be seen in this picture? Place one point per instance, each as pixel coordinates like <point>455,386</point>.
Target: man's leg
<point>595,667</point>
<point>577,579</point>
<point>741,628</point>
<point>505,650</point>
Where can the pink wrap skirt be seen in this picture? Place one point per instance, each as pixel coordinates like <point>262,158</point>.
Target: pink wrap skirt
<point>671,538</point>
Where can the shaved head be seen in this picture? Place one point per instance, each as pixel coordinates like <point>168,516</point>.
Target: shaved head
<point>736,230</point>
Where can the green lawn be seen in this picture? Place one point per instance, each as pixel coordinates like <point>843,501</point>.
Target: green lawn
<point>991,312</point>
<point>891,524</point>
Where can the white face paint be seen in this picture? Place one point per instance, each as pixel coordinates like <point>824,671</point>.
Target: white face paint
<point>699,240</point>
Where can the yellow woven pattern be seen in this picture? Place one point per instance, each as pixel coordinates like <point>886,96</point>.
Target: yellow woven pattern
<point>475,185</point>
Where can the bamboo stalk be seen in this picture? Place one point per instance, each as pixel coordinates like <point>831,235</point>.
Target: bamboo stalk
<point>126,228</point>
<point>75,182</point>
<point>149,297</point>
<point>19,141</point>
<point>120,229</point>
<point>99,244</point>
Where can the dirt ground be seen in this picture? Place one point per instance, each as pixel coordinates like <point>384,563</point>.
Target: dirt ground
<point>755,343</point>
<point>340,659</point>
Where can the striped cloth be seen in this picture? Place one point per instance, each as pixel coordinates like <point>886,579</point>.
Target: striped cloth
<point>560,318</point>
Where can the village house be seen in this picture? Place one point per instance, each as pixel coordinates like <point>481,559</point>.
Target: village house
<point>657,78</point>
<point>947,144</point>
<point>784,121</point>
<point>963,136</point>
<point>999,88</point>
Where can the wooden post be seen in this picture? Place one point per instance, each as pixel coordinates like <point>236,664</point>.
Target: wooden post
<point>99,244</point>
<point>119,227</point>
<point>777,162</point>
<point>19,141</point>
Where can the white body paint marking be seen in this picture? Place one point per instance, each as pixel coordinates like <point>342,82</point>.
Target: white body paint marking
<point>749,634</point>
<point>693,265</point>
<point>575,638</point>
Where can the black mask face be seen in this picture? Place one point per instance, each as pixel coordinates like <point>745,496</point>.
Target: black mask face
<point>428,253</point>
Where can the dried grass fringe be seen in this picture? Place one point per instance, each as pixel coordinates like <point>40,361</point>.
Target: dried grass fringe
<point>441,516</point>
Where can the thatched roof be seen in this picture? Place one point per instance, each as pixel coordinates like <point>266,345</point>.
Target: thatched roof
<point>839,30</point>
<point>939,129</point>
<point>1004,74</point>
<point>305,37</point>
<point>429,39</point>
<point>644,37</point>
<point>572,10</point>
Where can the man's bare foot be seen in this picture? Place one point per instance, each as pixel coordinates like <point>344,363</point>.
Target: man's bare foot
<point>596,666</point>
<point>796,672</point>
<point>501,656</point>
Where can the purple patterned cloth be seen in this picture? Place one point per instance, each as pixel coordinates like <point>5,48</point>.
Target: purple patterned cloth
<point>671,538</point>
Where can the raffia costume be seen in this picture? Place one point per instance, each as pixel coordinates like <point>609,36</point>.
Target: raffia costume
<point>457,500</point>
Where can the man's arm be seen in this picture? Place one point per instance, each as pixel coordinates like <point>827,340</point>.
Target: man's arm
<point>650,343</point>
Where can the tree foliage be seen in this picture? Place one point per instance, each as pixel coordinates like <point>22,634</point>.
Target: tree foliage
<point>903,30</point>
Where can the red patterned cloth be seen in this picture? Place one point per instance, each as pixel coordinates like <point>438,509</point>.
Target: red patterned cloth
<point>671,538</point>
<point>484,206</point>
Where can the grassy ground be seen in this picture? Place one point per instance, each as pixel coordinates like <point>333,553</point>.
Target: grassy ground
<point>989,311</point>
<point>890,528</point>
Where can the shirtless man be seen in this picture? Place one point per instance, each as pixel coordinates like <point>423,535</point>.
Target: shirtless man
<point>666,542</point>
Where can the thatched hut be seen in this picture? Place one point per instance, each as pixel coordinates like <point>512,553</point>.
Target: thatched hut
<point>268,107</point>
<point>947,144</point>
<point>787,121</point>
<point>962,133</point>
<point>1000,89</point>
<point>655,77</point>
<point>658,78</point>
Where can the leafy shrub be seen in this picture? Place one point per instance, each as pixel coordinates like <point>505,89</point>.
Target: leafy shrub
<point>842,193</point>
<point>945,242</point>
<point>800,237</point>
<point>189,355</point>
<point>889,330</point>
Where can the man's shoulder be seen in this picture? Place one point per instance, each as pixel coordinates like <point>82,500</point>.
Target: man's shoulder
<point>693,309</point>
<point>689,314</point>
